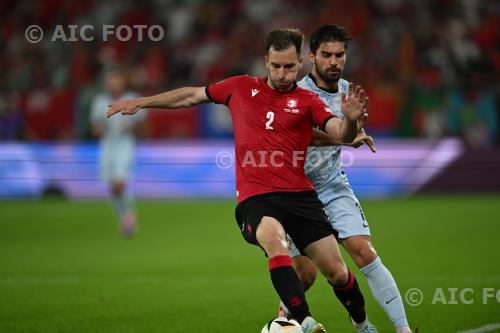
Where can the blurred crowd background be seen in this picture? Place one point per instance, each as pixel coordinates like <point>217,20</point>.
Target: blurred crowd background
<point>431,67</point>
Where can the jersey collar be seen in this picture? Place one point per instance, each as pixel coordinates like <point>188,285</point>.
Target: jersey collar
<point>331,91</point>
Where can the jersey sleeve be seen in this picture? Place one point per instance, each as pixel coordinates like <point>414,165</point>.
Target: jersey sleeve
<point>221,91</point>
<point>98,111</point>
<point>320,111</point>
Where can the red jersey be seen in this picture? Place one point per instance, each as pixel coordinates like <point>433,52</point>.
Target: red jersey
<point>271,133</point>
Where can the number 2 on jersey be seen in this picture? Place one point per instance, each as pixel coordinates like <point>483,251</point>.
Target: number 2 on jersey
<point>270,116</point>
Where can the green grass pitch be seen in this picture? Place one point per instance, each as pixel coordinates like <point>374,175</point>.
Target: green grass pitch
<point>64,268</point>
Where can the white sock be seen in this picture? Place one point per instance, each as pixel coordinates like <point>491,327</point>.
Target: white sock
<point>386,292</point>
<point>122,204</point>
<point>360,325</point>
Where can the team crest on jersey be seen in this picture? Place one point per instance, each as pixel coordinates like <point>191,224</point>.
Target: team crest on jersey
<point>291,104</point>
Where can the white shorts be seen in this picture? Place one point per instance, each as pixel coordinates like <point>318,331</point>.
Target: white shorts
<point>116,161</point>
<point>343,210</point>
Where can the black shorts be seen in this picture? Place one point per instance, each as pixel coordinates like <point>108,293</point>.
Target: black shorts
<point>300,213</point>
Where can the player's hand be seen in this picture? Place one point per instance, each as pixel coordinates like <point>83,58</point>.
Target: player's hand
<point>363,138</point>
<point>362,121</point>
<point>354,104</point>
<point>364,118</point>
<point>124,106</point>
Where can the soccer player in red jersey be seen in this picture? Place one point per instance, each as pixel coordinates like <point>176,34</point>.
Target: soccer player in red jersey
<point>273,121</point>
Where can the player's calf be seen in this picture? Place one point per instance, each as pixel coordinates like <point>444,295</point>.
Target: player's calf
<point>326,255</point>
<point>272,238</point>
<point>287,285</point>
<point>305,270</point>
<point>380,280</point>
<point>351,298</point>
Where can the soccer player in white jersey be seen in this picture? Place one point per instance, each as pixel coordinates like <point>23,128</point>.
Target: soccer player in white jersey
<point>117,146</point>
<point>328,46</point>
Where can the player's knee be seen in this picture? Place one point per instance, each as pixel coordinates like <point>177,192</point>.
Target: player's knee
<point>272,238</point>
<point>118,187</point>
<point>338,274</point>
<point>363,254</point>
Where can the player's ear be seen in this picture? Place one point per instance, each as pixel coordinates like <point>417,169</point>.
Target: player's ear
<point>266,60</point>
<point>311,57</point>
<point>301,62</point>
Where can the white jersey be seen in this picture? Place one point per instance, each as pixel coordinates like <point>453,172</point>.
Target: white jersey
<point>116,128</point>
<point>323,164</point>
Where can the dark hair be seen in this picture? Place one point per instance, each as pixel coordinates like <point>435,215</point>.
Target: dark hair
<point>119,70</point>
<point>282,39</point>
<point>328,33</point>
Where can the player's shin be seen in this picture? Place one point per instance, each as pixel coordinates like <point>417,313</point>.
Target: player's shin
<point>351,298</point>
<point>288,286</point>
<point>386,292</point>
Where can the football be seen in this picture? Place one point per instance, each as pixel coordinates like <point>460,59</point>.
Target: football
<point>282,325</point>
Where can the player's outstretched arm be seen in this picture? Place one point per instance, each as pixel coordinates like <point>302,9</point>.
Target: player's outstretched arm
<point>173,99</point>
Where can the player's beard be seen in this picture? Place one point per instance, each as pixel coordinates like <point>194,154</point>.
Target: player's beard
<point>329,76</point>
